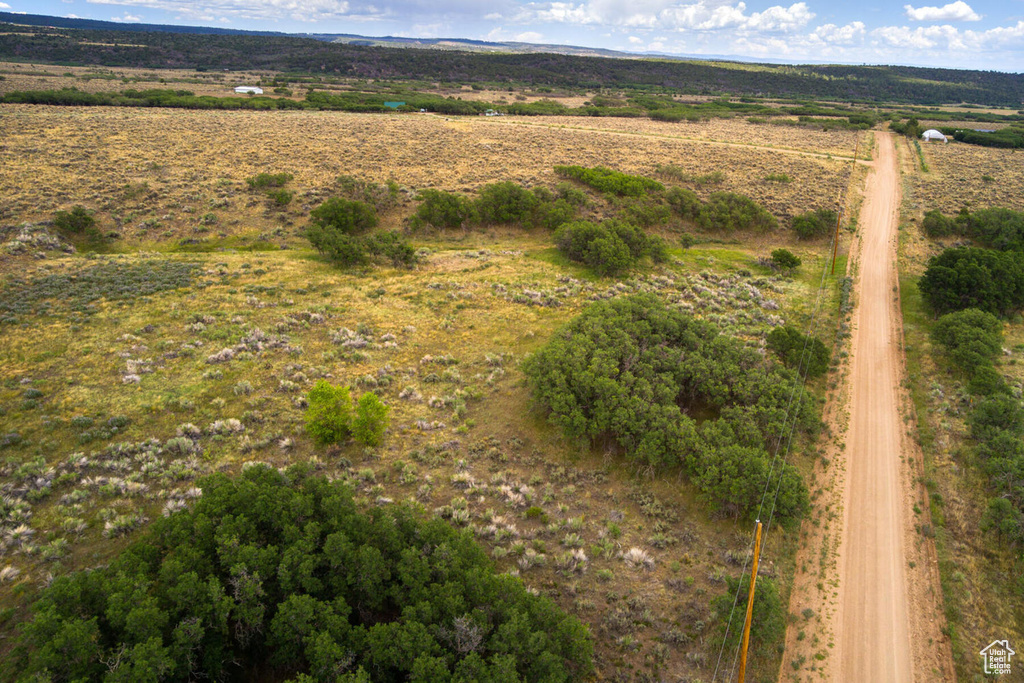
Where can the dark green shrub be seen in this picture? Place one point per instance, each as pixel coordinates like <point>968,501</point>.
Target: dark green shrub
<point>785,260</point>
<point>606,180</point>
<point>262,181</point>
<point>646,213</point>
<point>571,194</point>
<point>553,214</point>
<point>814,224</point>
<point>444,209</point>
<point>344,216</point>
<point>506,202</point>
<point>281,197</point>
<point>683,202</point>
<point>337,247</point>
<point>76,223</point>
<point>970,277</point>
<point>371,420</point>
<point>276,575</point>
<point>936,224</point>
<point>392,247</point>
<point>768,627</point>
<point>996,228</point>
<point>729,212</point>
<point>329,413</point>
<point>608,248</point>
<point>972,338</point>
<point>804,353</point>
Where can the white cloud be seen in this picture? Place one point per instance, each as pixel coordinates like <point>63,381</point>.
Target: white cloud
<point>954,11</point>
<point>635,41</point>
<point>127,19</point>
<point>704,15</point>
<point>4,5</point>
<point>840,35</point>
<point>529,37</point>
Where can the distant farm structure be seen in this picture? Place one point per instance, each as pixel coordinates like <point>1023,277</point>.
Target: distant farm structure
<point>249,90</point>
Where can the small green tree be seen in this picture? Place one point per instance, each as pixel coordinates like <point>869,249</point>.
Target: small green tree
<point>785,260</point>
<point>329,414</point>
<point>345,216</point>
<point>372,420</point>
<point>813,224</point>
<point>76,223</point>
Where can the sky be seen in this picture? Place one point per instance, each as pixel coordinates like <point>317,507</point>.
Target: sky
<point>982,34</point>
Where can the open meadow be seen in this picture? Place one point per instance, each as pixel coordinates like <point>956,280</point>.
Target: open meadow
<point>188,343</point>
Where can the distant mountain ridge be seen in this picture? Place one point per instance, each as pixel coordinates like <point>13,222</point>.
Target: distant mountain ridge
<point>467,44</point>
<point>89,42</point>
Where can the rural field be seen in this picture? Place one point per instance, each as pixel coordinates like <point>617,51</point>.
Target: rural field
<point>188,343</point>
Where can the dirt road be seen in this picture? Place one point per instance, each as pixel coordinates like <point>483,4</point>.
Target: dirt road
<point>874,589</point>
<point>873,641</point>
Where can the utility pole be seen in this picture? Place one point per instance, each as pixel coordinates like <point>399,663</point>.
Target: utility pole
<point>750,606</point>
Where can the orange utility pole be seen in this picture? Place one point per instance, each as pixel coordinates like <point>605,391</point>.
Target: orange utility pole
<point>750,606</point>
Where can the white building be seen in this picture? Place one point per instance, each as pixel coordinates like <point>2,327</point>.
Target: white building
<point>932,135</point>
<point>247,89</point>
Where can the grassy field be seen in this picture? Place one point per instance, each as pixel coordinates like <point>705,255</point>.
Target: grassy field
<point>108,360</point>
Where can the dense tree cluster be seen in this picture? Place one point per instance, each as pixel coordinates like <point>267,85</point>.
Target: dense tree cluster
<point>668,390</point>
<point>502,203</point>
<point>971,277</point>
<point>274,576</point>
<point>610,247</point>
<point>340,230</point>
<point>730,212</point>
<point>996,228</point>
<point>972,340</point>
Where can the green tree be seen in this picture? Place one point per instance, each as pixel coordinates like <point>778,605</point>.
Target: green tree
<point>371,421</point>
<point>78,222</point>
<point>345,216</point>
<point>443,210</point>
<point>804,353</point>
<point>329,413</point>
<point>813,224</point>
<point>971,277</point>
<point>785,260</point>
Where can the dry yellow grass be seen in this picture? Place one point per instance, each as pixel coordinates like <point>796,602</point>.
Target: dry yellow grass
<point>956,178</point>
<point>194,163</point>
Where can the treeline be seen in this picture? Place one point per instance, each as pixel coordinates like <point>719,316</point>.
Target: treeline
<point>974,289</point>
<point>277,576</point>
<point>295,54</point>
<point>634,374</point>
<point>663,109</point>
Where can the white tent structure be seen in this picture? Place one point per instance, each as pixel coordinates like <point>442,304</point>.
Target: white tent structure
<point>246,89</point>
<point>932,135</point>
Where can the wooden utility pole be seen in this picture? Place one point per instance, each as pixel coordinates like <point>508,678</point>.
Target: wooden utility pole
<point>750,606</point>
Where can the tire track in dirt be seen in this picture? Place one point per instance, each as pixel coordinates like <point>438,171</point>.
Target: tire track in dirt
<point>866,575</point>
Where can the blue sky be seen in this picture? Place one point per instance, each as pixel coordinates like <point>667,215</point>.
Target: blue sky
<point>985,34</point>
